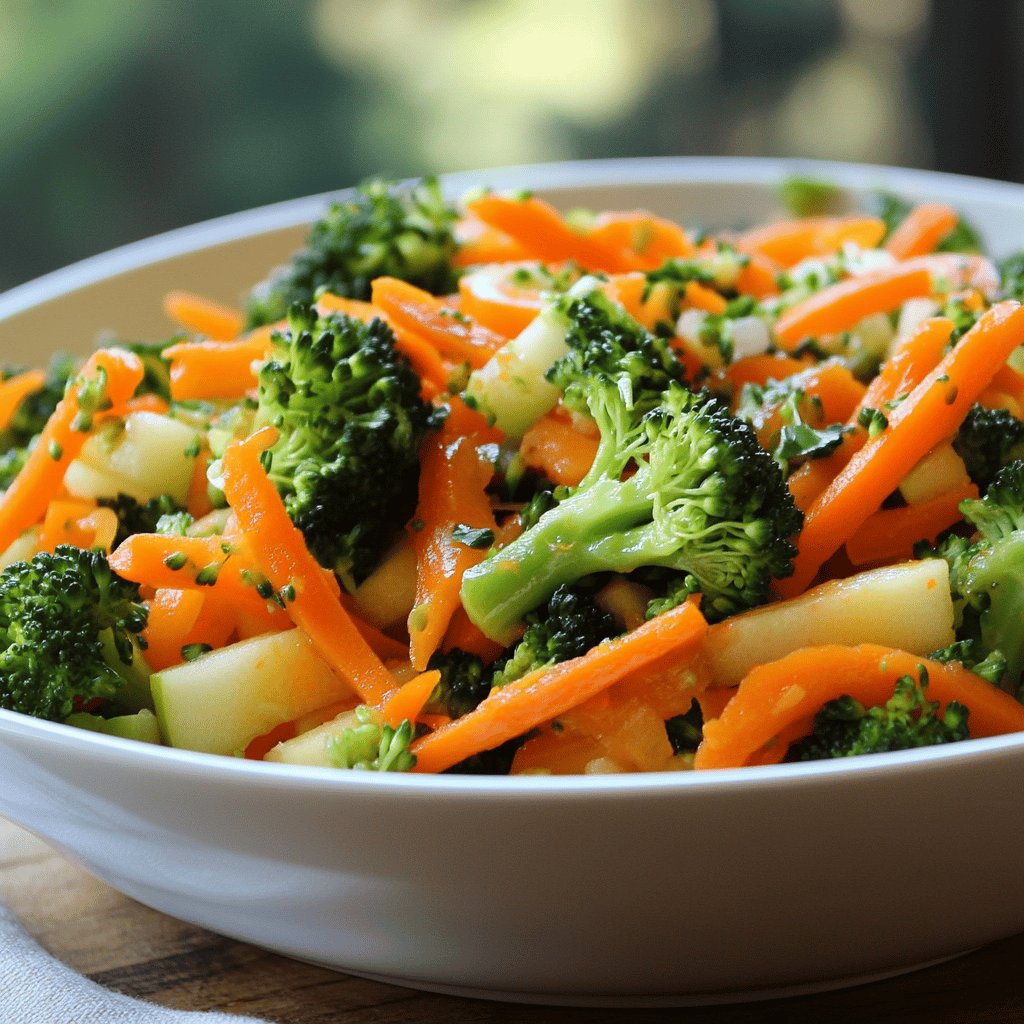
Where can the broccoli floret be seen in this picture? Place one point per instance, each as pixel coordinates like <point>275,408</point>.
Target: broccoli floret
<point>806,197</point>
<point>385,229</point>
<point>567,627</point>
<point>970,654</point>
<point>371,745</point>
<point>68,626</point>
<point>686,487</point>
<point>686,731</point>
<point>845,728</point>
<point>987,440</point>
<point>351,420</point>
<point>134,516</point>
<point>464,683</point>
<point>603,338</point>
<point>986,574</point>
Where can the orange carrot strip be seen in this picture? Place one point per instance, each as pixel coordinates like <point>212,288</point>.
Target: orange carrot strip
<point>172,615</point>
<point>217,369</point>
<point>760,277</point>
<point>281,553</point>
<point>952,271</point>
<point>555,446</point>
<point>435,320</point>
<point>911,360</point>
<point>407,702</point>
<point>794,688</point>
<point>77,522</point>
<point>699,296</point>
<point>890,534</point>
<point>761,369</point>
<point>643,239</point>
<point>922,230</point>
<point>491,298</point>
<point>159,560</point>
<point>467,636</point>
<point>385,647</point>
<point>452,492</point>
<point>15,390</point>
<point>204,316</point>
<point>479,243</point>
<point>790,241</point>
<point>932,412</point>
<point>545,234</point>
<point>842,306</point>
<point>24,503</point>
<point>546,693</point>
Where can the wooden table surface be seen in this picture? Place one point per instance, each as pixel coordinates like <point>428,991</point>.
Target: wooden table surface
<point>128,947</point>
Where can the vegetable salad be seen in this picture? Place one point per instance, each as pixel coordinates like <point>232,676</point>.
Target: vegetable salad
<point>492,487</point>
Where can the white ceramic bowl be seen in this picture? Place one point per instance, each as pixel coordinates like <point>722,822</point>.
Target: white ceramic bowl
<point>632,890</point>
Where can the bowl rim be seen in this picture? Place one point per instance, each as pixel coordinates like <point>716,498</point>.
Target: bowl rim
<point>758,172</point>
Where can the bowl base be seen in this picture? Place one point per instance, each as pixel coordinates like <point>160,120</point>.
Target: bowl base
<point>642,1001</point>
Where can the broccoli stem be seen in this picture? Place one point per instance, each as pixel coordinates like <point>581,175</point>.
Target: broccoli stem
<point>525,573</point>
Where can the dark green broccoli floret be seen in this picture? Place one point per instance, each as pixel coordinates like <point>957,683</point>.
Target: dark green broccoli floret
<point>68,627</point>
<point>604,339</point>
<point>465,681</point>
<point>986,574</point>
<point>969,653</point>
<point>686,487</point>
<point>845,728</point>
<point>686,731</point>
<point>384,229</point>
<point>568,626</point>
<point>142,517</point>
<point>351,420</point>
<point>987,441</point>
<point>372,745</point>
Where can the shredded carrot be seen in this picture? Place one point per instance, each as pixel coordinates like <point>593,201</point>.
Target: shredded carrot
<point>491,297</point>
<point>699,296</point>
<point>922,230</point>
<point>435,320</point>
<point>641,238</point>
<point>545,235</point>
<point>930,413</point>
<point>842,306</point>
<point>479,243</point>
<point>25,502</point>
<point>204,316</point>
<point>217,369</point>
<point>546,693</point>
<point>890,534</point>
<point>407,702</point>
<point>559,449</point>
<point>172,616</point>
<point>452,495</point>
<point>310,592</point>
<point>14,390</point>
<point>791,690</point>
<point>788,242</point>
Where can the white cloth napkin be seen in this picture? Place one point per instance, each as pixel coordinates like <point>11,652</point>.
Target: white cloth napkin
<point>35,988</point>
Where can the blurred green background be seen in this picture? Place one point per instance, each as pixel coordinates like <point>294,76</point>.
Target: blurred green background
<point>125,119</point>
